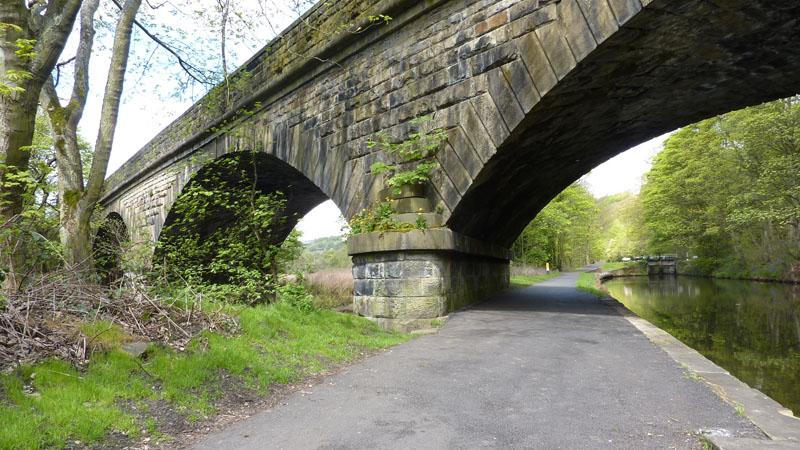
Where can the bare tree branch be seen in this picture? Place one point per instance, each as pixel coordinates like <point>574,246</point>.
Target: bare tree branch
<point>193,72</point>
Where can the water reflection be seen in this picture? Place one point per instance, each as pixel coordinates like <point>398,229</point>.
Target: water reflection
<point>751,329</point>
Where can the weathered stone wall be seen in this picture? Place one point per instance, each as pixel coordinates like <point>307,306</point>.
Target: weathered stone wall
<point>532,93</point>
<point>433,58</point>
<point>406,280</point>
<point>407,290</point>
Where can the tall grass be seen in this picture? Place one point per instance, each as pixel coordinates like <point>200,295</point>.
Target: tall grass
<point>588,282</point>
<point>331,288</point>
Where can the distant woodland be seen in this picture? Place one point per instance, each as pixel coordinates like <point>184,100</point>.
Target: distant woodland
<point>724,193</point>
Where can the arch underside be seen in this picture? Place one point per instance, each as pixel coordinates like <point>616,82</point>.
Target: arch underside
<point>271,175</point>
<point>674,63</point>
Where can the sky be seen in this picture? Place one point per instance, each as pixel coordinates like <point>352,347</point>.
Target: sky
<point>146,110</point>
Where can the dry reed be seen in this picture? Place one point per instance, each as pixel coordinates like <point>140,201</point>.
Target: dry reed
<point>43,319</point>
<point>332,288</point>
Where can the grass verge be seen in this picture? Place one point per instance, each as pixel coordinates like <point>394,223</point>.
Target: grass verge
<point>588,282</point>
<point>53,405</point>
<point>522,281</point>
<point>614,266</point>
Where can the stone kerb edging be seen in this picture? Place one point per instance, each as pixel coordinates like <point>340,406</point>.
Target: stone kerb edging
<point>772,418</point>
<point>439,240</point>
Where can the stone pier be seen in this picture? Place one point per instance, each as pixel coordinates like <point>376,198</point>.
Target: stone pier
<point>407,280</point>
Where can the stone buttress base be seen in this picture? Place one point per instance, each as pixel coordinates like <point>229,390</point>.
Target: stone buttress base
<point>408,281</point>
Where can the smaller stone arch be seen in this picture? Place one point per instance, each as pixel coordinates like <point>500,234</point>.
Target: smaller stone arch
<point>109,244</point>
<point>261,172</point>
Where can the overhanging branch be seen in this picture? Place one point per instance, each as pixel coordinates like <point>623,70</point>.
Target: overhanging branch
<point>186,66</point>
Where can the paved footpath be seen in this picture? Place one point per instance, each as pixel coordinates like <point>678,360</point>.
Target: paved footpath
<point>546,367</point>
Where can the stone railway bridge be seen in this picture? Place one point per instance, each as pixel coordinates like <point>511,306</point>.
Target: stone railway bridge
<point>532,94</point>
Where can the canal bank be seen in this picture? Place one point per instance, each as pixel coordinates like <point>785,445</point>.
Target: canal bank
<point>687,268</point>
<point>772,418</point>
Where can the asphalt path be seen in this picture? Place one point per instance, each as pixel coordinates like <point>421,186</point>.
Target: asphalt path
<point>545,367</point>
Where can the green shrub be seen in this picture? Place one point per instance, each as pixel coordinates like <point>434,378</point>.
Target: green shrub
<point>588,282</point>
<point>296,294</point>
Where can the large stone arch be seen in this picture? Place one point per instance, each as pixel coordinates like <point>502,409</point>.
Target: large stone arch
<point>597,79</point>
<point>282,163</point>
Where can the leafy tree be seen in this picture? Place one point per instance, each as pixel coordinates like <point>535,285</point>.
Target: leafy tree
<point>764,143</point>
<point>620,222</point>
<point>32,37</point>
<point>564,233</point>
<point>727,190</point>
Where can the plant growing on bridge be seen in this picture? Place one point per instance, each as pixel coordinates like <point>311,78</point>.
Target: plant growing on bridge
<point>418,150</point>
<point>375,218</point>
<point>379,217</point>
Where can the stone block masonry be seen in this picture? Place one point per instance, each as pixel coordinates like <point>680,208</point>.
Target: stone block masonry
<point>405,281</point>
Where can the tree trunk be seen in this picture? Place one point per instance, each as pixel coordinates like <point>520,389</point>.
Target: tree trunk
<point>49,26</point>
<point>74,230</point>
<point>111,101</point>
<point>77,201</point>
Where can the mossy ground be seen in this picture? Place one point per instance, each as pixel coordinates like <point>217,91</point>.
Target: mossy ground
<point>53,405</point>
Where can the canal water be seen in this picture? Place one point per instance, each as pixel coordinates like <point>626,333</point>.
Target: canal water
<point>752,329</point>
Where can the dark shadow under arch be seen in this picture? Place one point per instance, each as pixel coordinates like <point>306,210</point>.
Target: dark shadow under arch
<point>108,246</point>
<point>267,174</point>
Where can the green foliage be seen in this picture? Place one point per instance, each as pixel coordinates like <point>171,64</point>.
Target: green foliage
<point>415,163</point>
<point>727,189</point>
<point>34,231</point>
<point>564,233</point>
<point>225,233</point>
<point>377,217</point>
<point>11,80</point>
<point>324,244</point>
<point>421,223</point>
<point>620,222</point>
<point>588,282</point>
<point>324,253</point>
<point>419,149</point>
<point>296,295</point>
